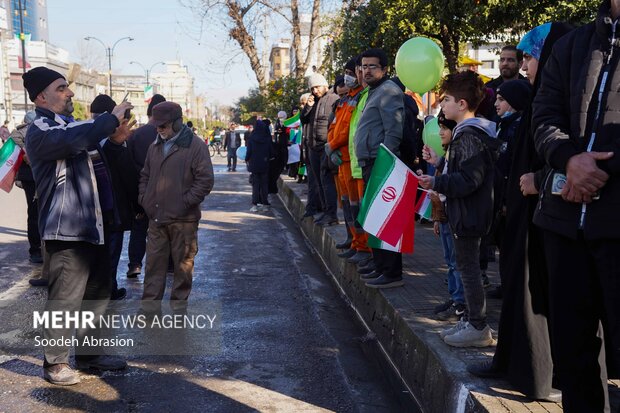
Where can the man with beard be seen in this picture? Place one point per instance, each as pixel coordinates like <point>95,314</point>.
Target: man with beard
<point>72,196</point>
<point>510,60</point>
<point>381,122</point>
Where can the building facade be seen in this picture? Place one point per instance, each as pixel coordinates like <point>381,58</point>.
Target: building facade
<point>34,18</point>
<point>280,59</point>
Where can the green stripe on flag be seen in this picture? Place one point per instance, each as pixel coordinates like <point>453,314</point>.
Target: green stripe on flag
<point>292,121</point>
<point>7,150</point>
<point>384,164</point>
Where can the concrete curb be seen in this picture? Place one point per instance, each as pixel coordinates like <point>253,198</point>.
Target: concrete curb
<point>436,376</point>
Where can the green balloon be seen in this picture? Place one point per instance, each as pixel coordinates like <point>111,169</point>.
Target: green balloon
<point>419,64</point>
<point>431,138</point>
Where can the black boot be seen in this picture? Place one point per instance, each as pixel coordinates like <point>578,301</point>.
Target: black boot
<point>346,209</point>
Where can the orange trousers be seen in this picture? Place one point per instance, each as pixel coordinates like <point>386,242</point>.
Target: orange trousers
<point>353,189</point>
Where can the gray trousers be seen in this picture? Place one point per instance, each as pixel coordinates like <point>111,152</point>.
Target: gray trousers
<point>78,280</point>
<point>467,263</point>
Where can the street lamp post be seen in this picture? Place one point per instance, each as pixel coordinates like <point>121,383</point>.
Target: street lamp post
<point>146,71</point>
<point>22,38</point>
<point>110,52</point>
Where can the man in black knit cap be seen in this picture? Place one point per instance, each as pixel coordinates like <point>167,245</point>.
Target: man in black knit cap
<point>71,197</point>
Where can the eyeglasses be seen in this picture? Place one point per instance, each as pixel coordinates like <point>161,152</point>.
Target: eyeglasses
<point>370,67</point>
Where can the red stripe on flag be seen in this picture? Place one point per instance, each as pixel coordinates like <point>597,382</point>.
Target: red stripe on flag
<point>418,204</point>
<point>407,242</point>
<point>400,216</point>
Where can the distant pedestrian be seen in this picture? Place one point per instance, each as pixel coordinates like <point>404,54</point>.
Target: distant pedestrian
<point>232,142</point>
<point>4,131</point>
<point>258,153</point>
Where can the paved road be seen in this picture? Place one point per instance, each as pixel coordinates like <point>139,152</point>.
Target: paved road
<point>289,343</point>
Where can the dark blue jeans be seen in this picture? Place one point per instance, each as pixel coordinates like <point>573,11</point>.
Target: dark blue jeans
<point>455,285</point>
<point>232,158</point>
<point>114,245</point>
<point>330,195</point>
<point>137,241</point>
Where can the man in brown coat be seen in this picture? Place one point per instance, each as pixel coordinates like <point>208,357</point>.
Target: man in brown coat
<point>177,176</point>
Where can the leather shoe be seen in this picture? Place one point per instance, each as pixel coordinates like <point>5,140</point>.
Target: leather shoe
<point>38,282</point>
<point>61,374</point>
<point>370,276</point>
<point>555,396</point>
<point>347,253</point>
<point>358,257</point>
<point>101,363</point>
<point>346,244</point>
<point>485,370</point>
<point>365,270</point>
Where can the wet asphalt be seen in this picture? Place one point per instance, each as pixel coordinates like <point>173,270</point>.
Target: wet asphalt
<point>289,342</point>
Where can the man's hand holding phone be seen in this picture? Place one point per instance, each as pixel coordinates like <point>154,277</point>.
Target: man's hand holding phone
<point>120,110</point>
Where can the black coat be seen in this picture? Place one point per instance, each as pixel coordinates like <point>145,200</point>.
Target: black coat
<point>259,149</point>
<point>124,184</point>
<point>139,142</point>
<point>228,137</point>
<point>468,185</point>
<point>564,112</point>
<point>523,349</point>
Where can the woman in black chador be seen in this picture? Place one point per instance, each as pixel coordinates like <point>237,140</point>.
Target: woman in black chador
<point>523,353</point>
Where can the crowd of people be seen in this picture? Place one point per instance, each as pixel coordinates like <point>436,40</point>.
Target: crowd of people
<point>87,183</point>
<point>529,168</point>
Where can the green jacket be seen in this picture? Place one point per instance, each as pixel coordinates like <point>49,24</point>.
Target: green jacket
<point>356,171</point>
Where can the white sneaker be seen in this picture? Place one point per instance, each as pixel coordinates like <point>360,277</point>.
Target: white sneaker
<point>461,324</point>
<point>264,208</point>
<point>470,337</point>
<point>255,208</point>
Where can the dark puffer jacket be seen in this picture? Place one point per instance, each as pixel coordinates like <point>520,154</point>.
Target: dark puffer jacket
<point>468,185</point>
<point>564,118</point>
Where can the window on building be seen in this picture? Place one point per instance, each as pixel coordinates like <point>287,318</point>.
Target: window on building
<point>288,66</point>
<point>488,64</point>
<point>277,66</point>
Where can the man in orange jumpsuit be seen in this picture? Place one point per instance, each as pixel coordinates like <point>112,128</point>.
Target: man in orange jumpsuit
<point>337,148</point>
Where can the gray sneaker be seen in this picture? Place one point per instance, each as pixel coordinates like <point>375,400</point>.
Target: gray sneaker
<point>454,329</point>
<point>470,336</point>
<point>101,363</point>
<point>61,375</point>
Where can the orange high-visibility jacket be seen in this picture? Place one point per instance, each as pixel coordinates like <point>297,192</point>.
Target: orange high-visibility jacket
<point>338,132</point>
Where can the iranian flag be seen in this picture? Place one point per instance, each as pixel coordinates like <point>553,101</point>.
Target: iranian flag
<point>386,212</point>
<point>292,122</point>
<point>424,206</point>
<point>11,157</point>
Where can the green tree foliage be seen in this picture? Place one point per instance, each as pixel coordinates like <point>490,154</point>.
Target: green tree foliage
<point>79,111</point>
<point>389,23</point>
<point>281,94</point>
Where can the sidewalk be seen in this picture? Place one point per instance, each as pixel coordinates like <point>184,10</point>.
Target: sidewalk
<point>402,320</point>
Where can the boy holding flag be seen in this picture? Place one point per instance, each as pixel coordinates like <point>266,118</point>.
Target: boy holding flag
<point>468,186</point>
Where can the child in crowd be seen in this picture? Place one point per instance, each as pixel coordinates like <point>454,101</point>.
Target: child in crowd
<point>454,308</point>
<point>468,187</point>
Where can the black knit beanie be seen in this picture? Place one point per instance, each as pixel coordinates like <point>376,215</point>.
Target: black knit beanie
<point>101,104</point>
<point>37,79</point>
<point>516,92</point>
<point>157,98</point>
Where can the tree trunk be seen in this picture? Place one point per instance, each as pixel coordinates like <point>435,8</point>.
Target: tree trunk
<point>314,29</point>
<point>245,40</point>
<point>300,64</point>
<point>450,53</point>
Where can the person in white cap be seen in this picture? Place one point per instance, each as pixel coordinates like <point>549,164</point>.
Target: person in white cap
<point>320,179</point>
